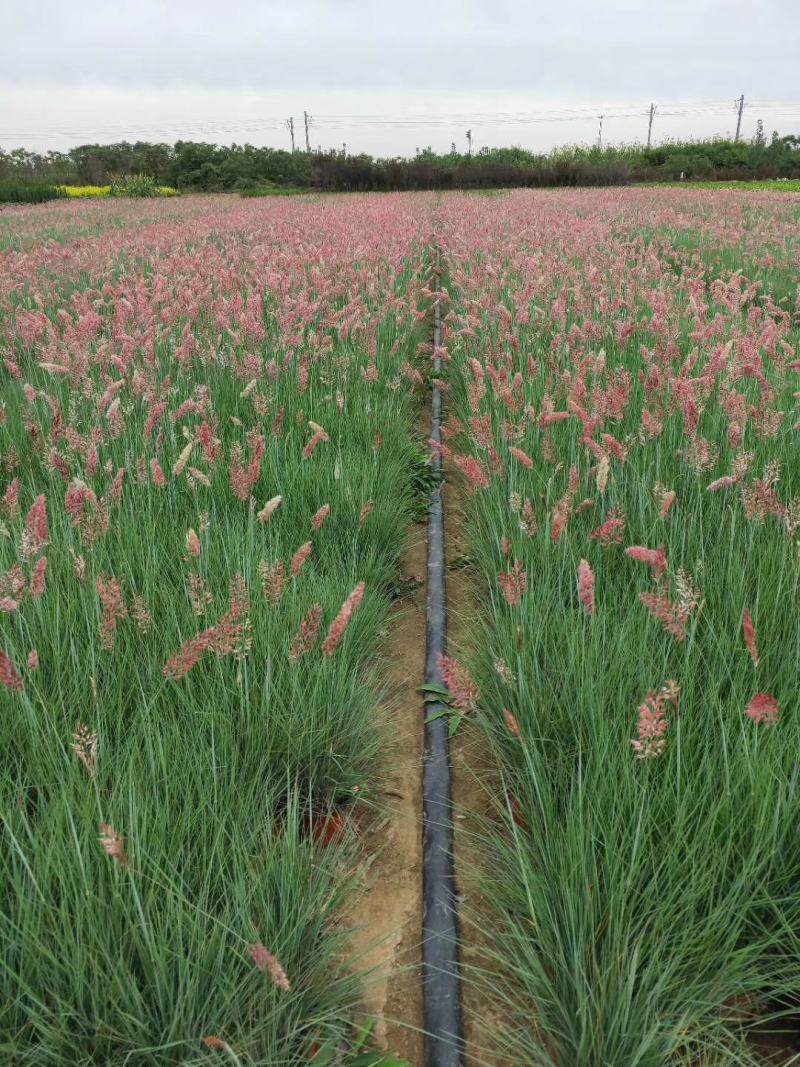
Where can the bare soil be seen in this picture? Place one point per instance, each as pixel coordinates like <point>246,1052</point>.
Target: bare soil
<point>385,931</point>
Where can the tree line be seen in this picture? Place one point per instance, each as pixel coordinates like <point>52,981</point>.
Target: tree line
<point>192,165</point>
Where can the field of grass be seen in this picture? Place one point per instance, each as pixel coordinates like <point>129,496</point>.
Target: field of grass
<point>207,453</point>
<point>624,410</point>
<point>209,456</point>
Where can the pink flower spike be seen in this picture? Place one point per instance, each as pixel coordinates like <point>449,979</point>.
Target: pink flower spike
<point>473,471</point>
<point>37,577</point>
<point>8,674</point>
<point>611,531</point>
<point>653,724</point>
<point>306,638</point>
<point>721,483</point>
<point>265,961</point>
<point>521,457</point>
<point>763,708</point>
<point>342,620</point>
<point>513,582</point>
<point>269,509</point>
<point>157,474</point>
<point>586,586</point>
<point>320,515</point>
<point>666,503</point>
<point>36,522</point>
<point>511,723</point>
<point>299,558</point>
<point>192,543</point>
<point>364,514</point>
<point>750,636</point>
<point>312,444</point>
<point>457,678</point>
<point>654,557</point>
<point>113,844</point>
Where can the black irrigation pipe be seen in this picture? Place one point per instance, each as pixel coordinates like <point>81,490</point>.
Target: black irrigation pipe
<point>441,985</point>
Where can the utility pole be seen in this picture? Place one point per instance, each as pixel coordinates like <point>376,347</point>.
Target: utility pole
<point>600,133</point>
<point>306,121</point>
<point>650,124</point>
<point>469,143</point>
<point>290,128</point>
<point>740,105</point>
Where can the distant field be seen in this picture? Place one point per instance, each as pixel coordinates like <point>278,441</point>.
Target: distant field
<point>790,186</point>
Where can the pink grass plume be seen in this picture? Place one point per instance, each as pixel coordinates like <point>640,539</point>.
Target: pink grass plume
<point>320,515</point>
<point>463,690</point>
<point>113,844</point>
<point>721,483</point>
<point>269,509</point>
<point>653,723</point>
<point>38,577</point>
<point>653,557</point>
<point>521,457</point>
<point>513,582</point>
<point>305,639</point>
<point>611,531</point>
<point>9,677</point>
<point>750,636</point>
<point>511,723</point>
<point>299,558</point>
<point>192,543</point>
<point>265,961</point>
<point>36,522</point>
<point>763,709</point>
<point>586,586</point>
<point>341,622</point>
<point>364,513</point>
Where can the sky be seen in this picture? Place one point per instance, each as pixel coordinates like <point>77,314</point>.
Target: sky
<point>393,78</point>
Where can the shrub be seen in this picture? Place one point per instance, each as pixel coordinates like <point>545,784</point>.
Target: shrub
<point>85,191</point>
<point>15,191</point>
<point>123,187</point>
<point>138,185</point>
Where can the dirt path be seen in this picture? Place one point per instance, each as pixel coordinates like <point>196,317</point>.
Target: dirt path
<point>386,935</point>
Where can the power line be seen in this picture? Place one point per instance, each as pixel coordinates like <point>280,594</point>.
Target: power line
<point>412,121</point>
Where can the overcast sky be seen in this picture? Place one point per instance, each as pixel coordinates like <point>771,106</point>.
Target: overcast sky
<point>417,72</point>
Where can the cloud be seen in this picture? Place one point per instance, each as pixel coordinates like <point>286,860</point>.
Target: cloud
<point>590,48</point>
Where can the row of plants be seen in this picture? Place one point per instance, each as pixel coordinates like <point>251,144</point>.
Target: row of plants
<point>207,458</point>
<point>24,191</point>
<point>20,191</point>
<point>137,186</point>
<point>622,375</point>
<point>215,168</point>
